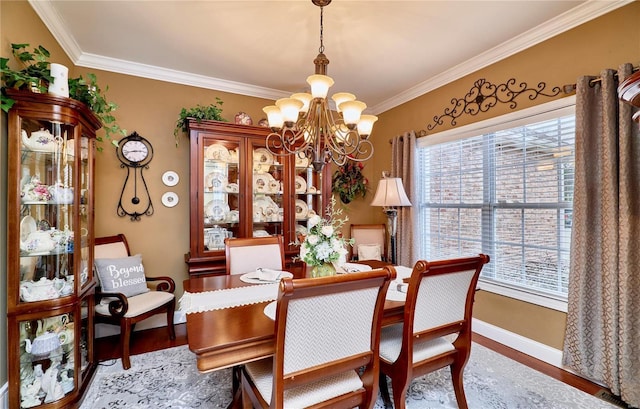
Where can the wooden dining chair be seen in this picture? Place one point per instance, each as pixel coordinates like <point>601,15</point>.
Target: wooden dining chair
<point>327,334</point>
<point>247,254</point>
<point>369,242</point>
<point>125,306</point>
<point>436,331</point>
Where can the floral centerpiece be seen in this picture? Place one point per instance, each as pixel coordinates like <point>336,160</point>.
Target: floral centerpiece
<point>324,247</point>
<point>348,182</point>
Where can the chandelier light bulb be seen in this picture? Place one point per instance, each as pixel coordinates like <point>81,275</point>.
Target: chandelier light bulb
<point>305,98</point>
<point>289,108</point>
<point>320,85</point>
<point>365,126</point>
<point>340,97</point>
<point>351,111</point>
<point>274,117</point>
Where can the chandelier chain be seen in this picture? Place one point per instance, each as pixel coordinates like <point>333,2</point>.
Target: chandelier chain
<point>321,49</point>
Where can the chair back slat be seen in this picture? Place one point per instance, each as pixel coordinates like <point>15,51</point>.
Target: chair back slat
<point>111,247</point>
<point>245,255</point>
<point>441,300</point>
<point>328,327</point>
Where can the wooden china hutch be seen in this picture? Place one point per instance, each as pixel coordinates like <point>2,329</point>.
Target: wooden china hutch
<point>50,284</point>
<point>238,188</point>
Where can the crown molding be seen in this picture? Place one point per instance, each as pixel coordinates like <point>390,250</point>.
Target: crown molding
<point>578,15</point>
<point>583,13</point>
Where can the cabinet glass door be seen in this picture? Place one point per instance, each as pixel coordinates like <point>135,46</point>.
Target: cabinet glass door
<point>221,193</point>
<point>47,194</point>
<point>308,194</point>
<point>47,355</point>
<point>268,188</point>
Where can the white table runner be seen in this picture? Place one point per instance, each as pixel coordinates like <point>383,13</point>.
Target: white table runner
<point>235,297</point>
<point>227,298</point>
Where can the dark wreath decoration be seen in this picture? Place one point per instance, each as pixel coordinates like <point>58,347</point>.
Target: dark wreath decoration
<point>348,182</point>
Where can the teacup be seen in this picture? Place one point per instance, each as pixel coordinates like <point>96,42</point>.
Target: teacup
<point>61,194</point>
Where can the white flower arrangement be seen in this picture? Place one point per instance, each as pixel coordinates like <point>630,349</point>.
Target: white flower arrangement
<point>323,244</point>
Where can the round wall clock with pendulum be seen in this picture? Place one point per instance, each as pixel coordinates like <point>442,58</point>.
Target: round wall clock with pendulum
<point>135,153</point>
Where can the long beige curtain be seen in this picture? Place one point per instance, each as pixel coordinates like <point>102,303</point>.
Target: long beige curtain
<point>602,339</point>
<point>403,153</point>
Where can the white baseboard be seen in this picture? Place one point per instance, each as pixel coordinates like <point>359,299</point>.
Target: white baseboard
<point>525,345</point>
<point>4,396</point>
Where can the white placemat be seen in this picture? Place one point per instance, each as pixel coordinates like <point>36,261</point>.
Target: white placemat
<point>256,278</point>
<point>227,298</point>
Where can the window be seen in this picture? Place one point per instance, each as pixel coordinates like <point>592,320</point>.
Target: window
<point>504,188</point>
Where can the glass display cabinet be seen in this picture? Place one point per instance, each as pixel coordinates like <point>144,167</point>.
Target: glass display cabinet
<point>50,285</point>
<point>238,188</point>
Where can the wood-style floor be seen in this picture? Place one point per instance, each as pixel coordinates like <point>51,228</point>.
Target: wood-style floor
<point>157,338</point>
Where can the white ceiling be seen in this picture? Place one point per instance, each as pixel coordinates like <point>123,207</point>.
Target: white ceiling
<point>385,52</point>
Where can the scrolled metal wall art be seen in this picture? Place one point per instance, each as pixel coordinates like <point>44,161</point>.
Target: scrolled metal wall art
<point>485,95</point>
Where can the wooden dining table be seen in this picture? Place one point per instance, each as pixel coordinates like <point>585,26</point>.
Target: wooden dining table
<point>227,337</point>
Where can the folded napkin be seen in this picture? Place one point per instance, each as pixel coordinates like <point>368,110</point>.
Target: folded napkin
<point>353,268</point>
<point>402,287</point>
<point>267,274</point>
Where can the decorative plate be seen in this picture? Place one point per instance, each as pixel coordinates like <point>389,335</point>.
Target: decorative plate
<point>261,182</point>
<point>262,160</point>
<point>217,152</point>
<point>301,229</point>
<point>302,161</point>
<point>242,118</point>
<point>231,188</point>
<point>263,123</point>
<point>27,226</point>
<point>264,207</point>
<point>170,178</point>
<point>217,210</point>
<point>301,209</point>
<point>170,199</point>
<point>215,182</point>
<point>301,185</point>
<point>260,233</point>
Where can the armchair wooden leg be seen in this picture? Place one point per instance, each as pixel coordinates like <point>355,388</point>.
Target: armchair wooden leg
<point>125,339</point>
<point>171,308</point>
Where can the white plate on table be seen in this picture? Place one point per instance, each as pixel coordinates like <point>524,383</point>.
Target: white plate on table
<point>270,310</point>
<point>252,278</point>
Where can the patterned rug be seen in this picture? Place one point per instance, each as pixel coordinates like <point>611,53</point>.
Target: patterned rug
<point>170,379</point>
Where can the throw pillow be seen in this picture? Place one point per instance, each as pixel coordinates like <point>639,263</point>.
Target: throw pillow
<point>122,275</point>
<point>369,252</point>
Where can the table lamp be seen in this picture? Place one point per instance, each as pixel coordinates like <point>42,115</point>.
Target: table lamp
<point>391,195</point>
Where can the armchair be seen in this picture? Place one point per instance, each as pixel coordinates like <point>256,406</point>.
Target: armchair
<point>134,303</point>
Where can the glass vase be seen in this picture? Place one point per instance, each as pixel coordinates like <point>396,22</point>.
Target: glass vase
<point>323,270</point>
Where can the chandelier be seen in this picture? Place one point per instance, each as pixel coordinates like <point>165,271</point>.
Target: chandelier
<point>303,124</point>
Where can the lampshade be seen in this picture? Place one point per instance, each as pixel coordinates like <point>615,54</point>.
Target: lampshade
<point>289,108</point>
<point>390,193</point>
<point>320,85</point>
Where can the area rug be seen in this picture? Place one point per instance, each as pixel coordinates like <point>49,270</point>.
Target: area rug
<point>170,379</point>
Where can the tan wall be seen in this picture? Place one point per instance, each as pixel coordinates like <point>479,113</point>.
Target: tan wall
<point>606,42</point>
<point>151,108</point>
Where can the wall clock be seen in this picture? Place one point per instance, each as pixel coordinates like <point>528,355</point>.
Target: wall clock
<point>134,152</point>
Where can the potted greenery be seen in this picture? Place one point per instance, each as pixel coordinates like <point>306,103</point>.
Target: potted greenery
<point>36,75</point>
<point>348,182</point>
<point>199,112</point>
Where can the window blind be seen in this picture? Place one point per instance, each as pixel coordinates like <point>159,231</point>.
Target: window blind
<point>507,193</point>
